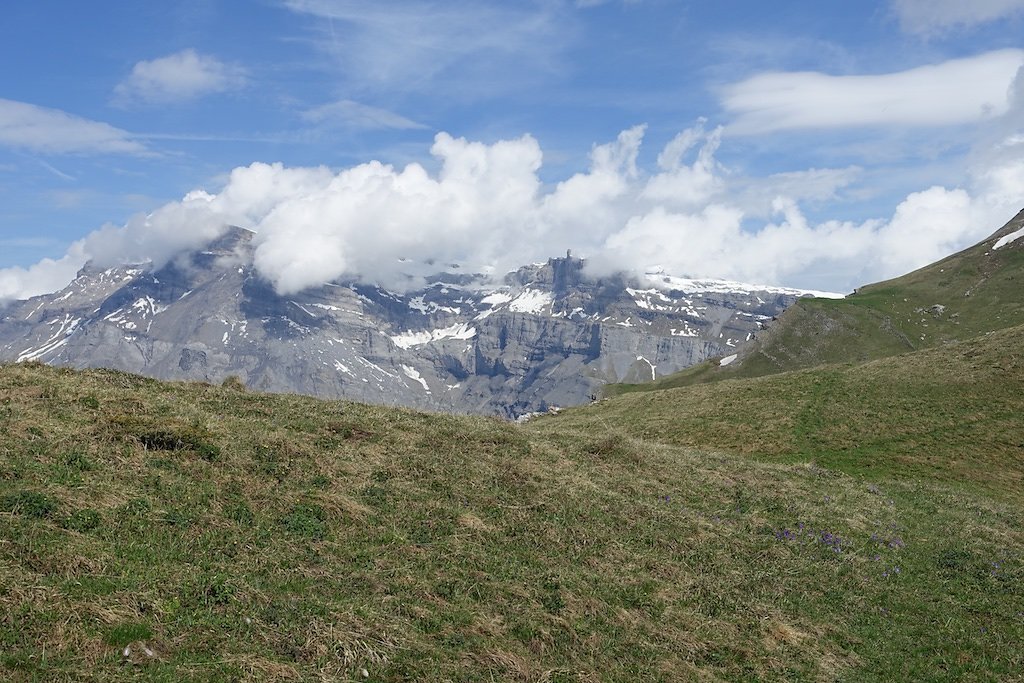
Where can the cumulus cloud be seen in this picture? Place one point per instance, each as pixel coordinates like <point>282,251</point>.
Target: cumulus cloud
<point>52,131</point>
<point>936,16</point>
<point>957,91</point>
<point>680,184</point>
<point>351,114</point>
<point>48,275</point>
<point>487,209</point>
<point>180,77</point>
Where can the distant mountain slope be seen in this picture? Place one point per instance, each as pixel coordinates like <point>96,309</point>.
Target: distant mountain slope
<point>973,292</point>
<point>953,413</point>
<point>550,334</point>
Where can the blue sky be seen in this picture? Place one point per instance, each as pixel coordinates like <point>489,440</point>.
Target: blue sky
<point>805,143</point>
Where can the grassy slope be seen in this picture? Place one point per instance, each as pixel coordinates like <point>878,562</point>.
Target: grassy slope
<point>949,414</point>
<point>189,532</point>
<point>979,288</point>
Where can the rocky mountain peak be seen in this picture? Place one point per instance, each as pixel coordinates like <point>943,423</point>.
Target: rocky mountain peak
<point>552,334</point>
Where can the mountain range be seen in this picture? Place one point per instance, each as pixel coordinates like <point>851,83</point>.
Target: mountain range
<point>548,334</point>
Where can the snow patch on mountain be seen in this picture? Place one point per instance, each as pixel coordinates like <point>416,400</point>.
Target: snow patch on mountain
<point>532,301</point>
<point>495,299</point>
<point>147,306</point>
<point>420,304</point>
<point>653,367</point>
<point>59,339</point>
<point>410,339</point>
<point>413,374</point>
<point>1006,239</point>
<point>707,286</point>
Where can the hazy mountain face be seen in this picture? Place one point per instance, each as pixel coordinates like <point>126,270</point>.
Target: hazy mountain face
<point>550,334</point>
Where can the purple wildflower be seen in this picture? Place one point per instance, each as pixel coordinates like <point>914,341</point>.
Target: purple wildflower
<point>832,541</point>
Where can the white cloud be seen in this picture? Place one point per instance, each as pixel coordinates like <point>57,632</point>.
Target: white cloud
<point>936,16</point>
<point>958,91</point>
<point>48,275</point>
<point>176,78</point>
<point>487,209</point>
<point>679,184</point>
<point>52,131</point>
<point>756,196</point>
<point>350,114</point>
<point>466,49</point>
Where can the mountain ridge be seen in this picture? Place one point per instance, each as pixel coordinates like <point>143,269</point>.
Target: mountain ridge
<point>551,334</point>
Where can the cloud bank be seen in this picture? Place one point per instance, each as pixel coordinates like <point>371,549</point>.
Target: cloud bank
<point>487,209</point>
<point>957,91</point>
<point>52,131</point>
<point>177,78</point>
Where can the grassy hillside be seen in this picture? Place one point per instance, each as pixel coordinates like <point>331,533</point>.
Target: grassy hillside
<point>960,297</point>
<point>187,532</point>
<point>950,414</point>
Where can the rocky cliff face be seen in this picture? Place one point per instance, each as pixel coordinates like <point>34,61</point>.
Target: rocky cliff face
<point>550,335</point>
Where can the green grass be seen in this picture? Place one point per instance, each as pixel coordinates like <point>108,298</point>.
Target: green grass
<point>951,414</point>
<point>185,532</point>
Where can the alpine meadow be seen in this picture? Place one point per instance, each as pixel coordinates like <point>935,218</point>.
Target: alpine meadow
<point>854,520</point>
<point>547,341</point>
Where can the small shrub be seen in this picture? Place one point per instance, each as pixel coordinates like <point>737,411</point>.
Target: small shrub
<point>954,560</point>
<point>90,402</point>
<point>306,519</point>
<point>29,504</point>
<point>180,440</point>
<point>76,461</point>
<point>234,383</point>
<point>208,452</point>
<point>208,590</point>
<point>551,598</point>
<point>84,520</point>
